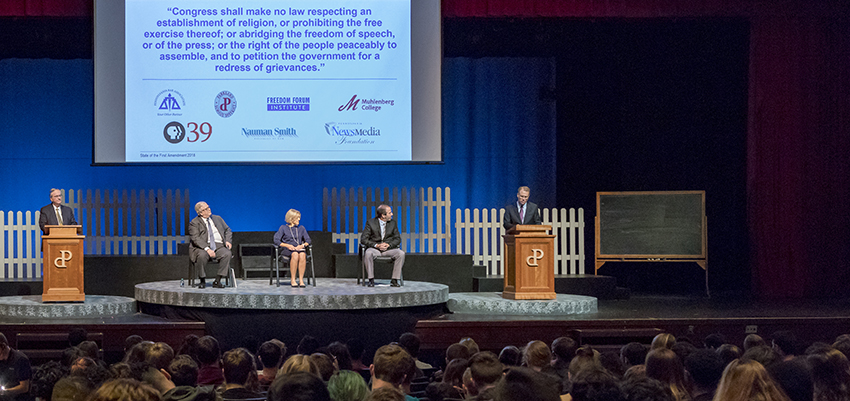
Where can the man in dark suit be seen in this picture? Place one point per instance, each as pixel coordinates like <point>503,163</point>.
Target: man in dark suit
<point>381,238</point>
<point>210,238</point>
<point>521,212</point>
<point>56,213</point>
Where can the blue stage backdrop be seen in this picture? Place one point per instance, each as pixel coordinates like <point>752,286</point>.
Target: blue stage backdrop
<point>498,133</point>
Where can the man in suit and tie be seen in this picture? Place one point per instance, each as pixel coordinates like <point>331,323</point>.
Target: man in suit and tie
<point>210,238</point>
<point>56,213</point>
<point>381,238</point>
<point>521,212</point>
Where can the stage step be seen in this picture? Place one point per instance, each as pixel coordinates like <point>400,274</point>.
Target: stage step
<point>601,287</point>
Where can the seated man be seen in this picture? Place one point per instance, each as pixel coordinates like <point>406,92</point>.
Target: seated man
<point>210,238</point>
<point>381,238</point>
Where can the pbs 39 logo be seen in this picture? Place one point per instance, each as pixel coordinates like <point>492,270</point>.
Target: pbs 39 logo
<point>175,132</point>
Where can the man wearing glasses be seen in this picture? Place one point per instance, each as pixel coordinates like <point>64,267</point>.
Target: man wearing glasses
<point>210,239</point>
<point>15,373</point>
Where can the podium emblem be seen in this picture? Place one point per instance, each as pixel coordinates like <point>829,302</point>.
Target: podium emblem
<point>537,254</point>
<point>60,261</point>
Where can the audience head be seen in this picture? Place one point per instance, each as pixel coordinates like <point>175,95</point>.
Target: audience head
<point>410,342</point>
<point>522,384</point>
<point>485,369</point>
<point>454,372</point>
<point>729,353</point>
<point>785,343</point>
<point>636,372</point>
<point>325,365</point>
<point>346,385</point>
<point>90,349</point>
<point>646,389</point>
<point>138,353</point>
<point>339,352</point>
<point>456,351</point>
<point>160,355</point>
<point>536,355</point>
<point>44,377</point>
<point>714,340</point>
<point>77,335</point>
<point>270,354</point>
<point>356,348</point>
<point>633,353</point>
<point>299,363</point>
<point>184,371</point>
<point>189,345</point>
<point>120,370</point>
<point>663,340</point>
<point>705,368</point>
<point>842,343</point>
<point>307,345</point>
<point>470,344</point>
<point>298,386</point>
<point>386,394</point>
<point>564,349</point>
<point>794,377</point>
<point>753,340</point>
<point>818,347</point>
<point>663,365</point>
<point>611,362</point>
<point>745,380</point>
<point>70,355</point>
<point>238,366</point>
<point>124,390</point>
<point>393,365</point>
<point>682,349</point>
<point>439,391</point>
<point>765,355</point>
<point>586,358</point>
<point>830,374</point>
<point>595,385</point>
<point>71,388</point>
<point>207,351</point>
<point>130,341</point>
<point>510,356</point>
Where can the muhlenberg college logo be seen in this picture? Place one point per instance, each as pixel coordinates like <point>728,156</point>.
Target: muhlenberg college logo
<point>225,104</point>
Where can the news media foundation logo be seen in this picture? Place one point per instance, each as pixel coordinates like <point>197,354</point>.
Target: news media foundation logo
<point>352,133</point>
<point>225,104</point>
<point>174,132</point>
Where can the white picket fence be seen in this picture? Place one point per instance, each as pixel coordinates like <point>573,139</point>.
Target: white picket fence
<point>479,233</point>
<point>425,225</point>
<point>20,245</point>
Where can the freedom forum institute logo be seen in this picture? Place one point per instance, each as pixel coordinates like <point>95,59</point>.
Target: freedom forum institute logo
<point>225,104</point>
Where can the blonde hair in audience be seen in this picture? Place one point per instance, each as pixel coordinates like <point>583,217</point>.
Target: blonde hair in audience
<point>299,363</point>
<point>745,381</point>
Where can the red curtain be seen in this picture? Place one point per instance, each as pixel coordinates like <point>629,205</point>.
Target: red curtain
<point>798,173</point>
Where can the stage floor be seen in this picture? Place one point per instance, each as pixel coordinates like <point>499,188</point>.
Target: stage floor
<point>328,294</point>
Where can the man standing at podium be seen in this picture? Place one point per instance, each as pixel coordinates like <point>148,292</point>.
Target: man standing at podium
<point>521,212</point>
<point>209,238</point>
<point>56,213</point>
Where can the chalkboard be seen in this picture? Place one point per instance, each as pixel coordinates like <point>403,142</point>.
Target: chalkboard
<point>668,224</point>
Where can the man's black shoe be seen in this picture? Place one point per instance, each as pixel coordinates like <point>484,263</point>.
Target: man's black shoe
<point>217,285</point>
<point>202,284</point>
<point>394,283</point>
<point>371,283</point>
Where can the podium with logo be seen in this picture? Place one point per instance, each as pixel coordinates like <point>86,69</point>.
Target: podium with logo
<point>63,264</point>
<point>529,261</point>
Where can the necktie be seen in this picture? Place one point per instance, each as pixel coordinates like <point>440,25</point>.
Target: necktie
<point>383,229</point>
<point>212,237</point>
<point>522,214</point>
<point>58,217</point>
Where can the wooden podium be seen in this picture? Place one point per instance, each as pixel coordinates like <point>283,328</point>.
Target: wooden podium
<point>63,264</point>
<point>529,261</point>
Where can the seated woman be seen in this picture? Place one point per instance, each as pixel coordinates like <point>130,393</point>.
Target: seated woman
<point>293,238</point>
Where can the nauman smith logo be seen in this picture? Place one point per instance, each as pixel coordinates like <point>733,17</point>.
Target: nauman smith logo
<point>368,104</point>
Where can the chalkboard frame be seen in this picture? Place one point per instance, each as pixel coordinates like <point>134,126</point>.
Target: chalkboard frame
<point>651,257</point>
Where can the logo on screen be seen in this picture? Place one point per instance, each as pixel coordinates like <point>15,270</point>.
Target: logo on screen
<point>174,132</point>
<point>352,133</point>
<point>169,103</point>
<point>368,104</point>
<point>287,103</point>
<point>225,104</point>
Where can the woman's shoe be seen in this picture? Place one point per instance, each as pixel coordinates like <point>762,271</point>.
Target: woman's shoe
<point>302,285</point>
